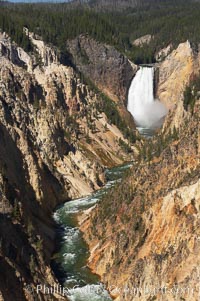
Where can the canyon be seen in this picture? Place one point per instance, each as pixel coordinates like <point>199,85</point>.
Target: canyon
<point>57,139</point>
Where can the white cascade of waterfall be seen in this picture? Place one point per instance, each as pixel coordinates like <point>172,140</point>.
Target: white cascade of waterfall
<point>148,112</point>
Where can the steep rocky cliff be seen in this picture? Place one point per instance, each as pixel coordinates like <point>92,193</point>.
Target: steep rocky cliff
<point>175,73</point>
<point>55,141</point>
<point>109,70</point>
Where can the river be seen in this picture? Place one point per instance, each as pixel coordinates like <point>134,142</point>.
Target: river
<point>70,264</point>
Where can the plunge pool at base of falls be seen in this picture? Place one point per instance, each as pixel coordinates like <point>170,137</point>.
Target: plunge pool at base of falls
<point>146,132</point>
<point>70,264</point>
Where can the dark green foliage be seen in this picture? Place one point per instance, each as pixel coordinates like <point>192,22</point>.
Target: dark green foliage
<point>153,148</point>
<point>188,97</point>
<point>32,264</point>
<point>39,245</point>
<point>16,211</point>
<point>12,24</point>
<point>109,107</point>
<point>167,21</point>
<point>122,194</point>
<point>191,93</point>
<point>125,146</point>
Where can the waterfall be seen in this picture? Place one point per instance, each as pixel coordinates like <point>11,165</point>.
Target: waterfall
<point>148,112</point>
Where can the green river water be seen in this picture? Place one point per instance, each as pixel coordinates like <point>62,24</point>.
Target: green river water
<point>71,258</point>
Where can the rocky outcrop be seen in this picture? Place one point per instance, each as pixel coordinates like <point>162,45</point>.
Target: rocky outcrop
<point>163,53</point>
<point>48,54</point>
<point>108,69</point>
<point>175,73</point>
<point>143,40</point>
<point>14,54</point>
<point>105,66</point>
<point>55,144</point>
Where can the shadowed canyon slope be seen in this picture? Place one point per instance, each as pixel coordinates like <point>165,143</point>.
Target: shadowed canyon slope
<point>106,67</point>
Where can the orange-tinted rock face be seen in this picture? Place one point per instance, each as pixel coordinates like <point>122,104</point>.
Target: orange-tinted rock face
<point>174,74</point>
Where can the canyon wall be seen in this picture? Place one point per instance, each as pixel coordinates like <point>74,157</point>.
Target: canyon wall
<point>146,235</point>
<point>106,67</point>
<point>175,74</point>
<point>55,142</point>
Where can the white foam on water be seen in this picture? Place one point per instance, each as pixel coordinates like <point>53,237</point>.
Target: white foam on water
<point>56,216</point>
<point>69,258</point>
<point>75,205</point>
<point>71,234</point>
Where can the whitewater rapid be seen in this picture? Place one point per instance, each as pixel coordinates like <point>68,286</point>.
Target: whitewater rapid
<point>148,112</point>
